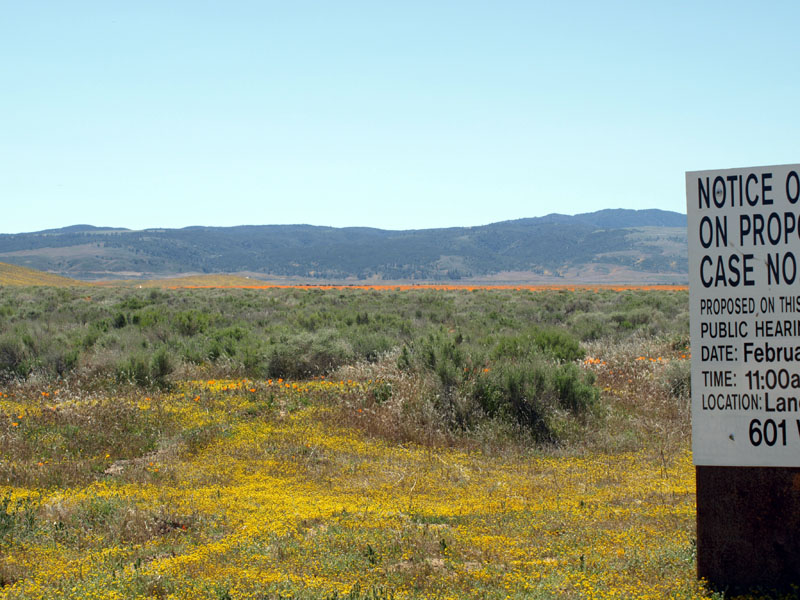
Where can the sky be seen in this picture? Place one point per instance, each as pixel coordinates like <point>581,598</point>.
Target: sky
<point>389,114</point>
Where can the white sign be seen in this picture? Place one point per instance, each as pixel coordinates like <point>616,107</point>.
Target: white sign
<point>744,296</point>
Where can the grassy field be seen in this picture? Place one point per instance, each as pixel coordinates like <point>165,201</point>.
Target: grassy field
<point>345,443</point>
<point>14,275</point>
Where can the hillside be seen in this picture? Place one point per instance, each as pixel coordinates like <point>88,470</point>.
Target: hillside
<point>16,275</point>
<point>221,280</point>
<point>606,246</point>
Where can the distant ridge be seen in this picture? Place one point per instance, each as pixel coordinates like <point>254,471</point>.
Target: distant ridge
<point>607,246</point>
<point>621,217</point>
<point>79,228</point>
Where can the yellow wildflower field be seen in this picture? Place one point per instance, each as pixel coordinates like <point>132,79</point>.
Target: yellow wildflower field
<point>267,491</point>
<point>14,275</point>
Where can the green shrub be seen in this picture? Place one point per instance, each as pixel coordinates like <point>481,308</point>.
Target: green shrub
<point>145,371</point>
<point>678,379</point>
<point>445,357</point>
<point>534,392</point>
<point>254,359</point>
<point>14,358</point>
<point>60,358</point>
<point>404,361</point>
<point>555,343</point>
<point>559,344</point>
<point>527,379</point>
<point>190,322</point>
<point>160,367</point>
<point>149,316</point>
<point>307,355</point>
<point>134,370</point>
<point>574,389</point>
<point>370,345</point>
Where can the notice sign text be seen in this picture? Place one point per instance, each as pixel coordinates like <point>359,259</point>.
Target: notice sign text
<point>744,295</point>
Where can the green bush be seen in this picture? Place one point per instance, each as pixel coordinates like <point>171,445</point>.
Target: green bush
<point>445,357</point>
<point>146,371</point>
<point>14,358</point>
<point>134,370</point>
<point>559,344</point>
<point>533,393</point>
<point>308,355</point>
<point>370,345</point>
<point>160,367</point>
<point>524,379</point>
<point>574,390</point>
<point>555,343</point>
<point>190,322</point>
<point>59,359</point>
<point>678,379</point>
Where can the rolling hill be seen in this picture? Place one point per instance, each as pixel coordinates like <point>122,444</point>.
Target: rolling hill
<point>16,275</point>
<point>647,246</point>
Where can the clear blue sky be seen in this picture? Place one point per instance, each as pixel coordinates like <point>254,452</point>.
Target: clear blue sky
<point>387,114</point>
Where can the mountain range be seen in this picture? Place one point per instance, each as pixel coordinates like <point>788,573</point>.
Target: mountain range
<point>614,246</point>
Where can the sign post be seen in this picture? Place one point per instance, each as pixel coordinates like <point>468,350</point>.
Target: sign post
<point>744,295</point>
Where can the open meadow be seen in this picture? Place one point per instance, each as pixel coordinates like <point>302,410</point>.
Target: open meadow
<point>307,443</point>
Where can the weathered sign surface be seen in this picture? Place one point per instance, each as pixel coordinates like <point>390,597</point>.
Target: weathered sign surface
<point>744,250</point>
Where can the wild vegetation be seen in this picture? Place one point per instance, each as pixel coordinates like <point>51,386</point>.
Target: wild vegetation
<point>483,354</point>
<point>345,444</point>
